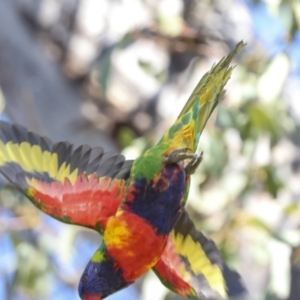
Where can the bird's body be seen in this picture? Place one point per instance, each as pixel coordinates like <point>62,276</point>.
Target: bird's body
<point>143,221</point>
<point>137,206</point>
<point>141,227</point>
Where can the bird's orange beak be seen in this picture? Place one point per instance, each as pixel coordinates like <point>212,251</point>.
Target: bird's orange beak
<point>91,297</point>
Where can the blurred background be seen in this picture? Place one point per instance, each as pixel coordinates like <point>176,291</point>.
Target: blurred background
<point>115,73</point>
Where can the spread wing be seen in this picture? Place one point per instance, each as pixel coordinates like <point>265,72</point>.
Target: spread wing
<point>192,266</point>
<point>81,186</point>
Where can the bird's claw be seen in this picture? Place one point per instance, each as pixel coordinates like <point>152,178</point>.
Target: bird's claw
<point>185,153</point>
<point>193,164</point>
<point>179,155</point>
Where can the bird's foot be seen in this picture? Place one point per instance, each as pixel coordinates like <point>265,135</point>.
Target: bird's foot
<point>193,164</point>
<point>185,153</point>
<point>179,155</point>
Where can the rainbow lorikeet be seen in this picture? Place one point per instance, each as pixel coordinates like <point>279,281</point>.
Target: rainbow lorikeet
<point>137,206</point>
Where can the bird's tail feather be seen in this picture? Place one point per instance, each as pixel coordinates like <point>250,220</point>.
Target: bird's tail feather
<point>186,130</point>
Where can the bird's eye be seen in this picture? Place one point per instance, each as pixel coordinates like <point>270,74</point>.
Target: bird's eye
<point>85,278</point>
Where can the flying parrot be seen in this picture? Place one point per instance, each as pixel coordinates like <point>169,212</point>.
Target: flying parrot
<point>137,206</point>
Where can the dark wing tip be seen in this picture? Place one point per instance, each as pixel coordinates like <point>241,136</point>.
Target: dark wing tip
<point>233,280</point>
<point>17,134</point>
<point>83,158</point>
<point>234,283</point>
<point>124,171</point>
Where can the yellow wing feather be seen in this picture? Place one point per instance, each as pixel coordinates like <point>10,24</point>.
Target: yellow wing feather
<point>192,265</point>
<point>200,263</point>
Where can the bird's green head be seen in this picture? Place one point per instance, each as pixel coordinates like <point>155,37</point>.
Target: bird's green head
<point>101,277</point>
